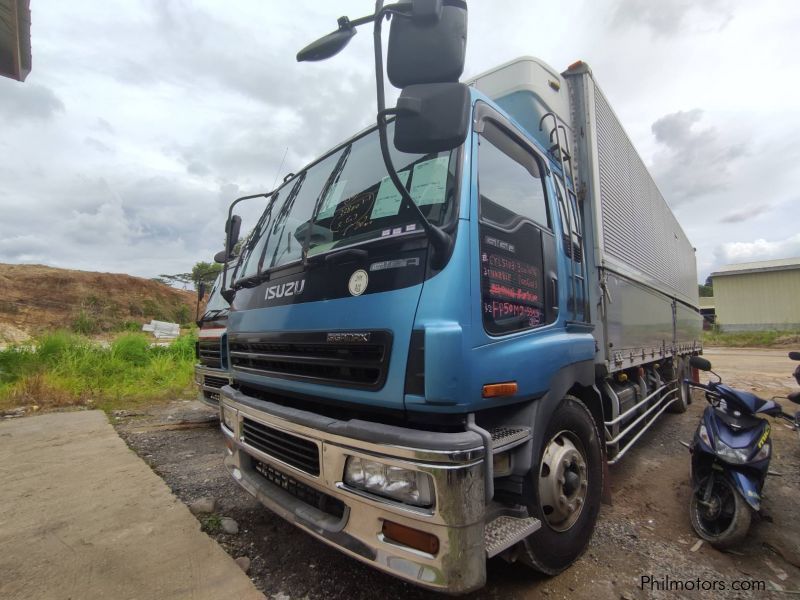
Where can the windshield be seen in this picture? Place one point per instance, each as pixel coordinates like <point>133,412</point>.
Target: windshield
<point>347,198</point>
<point>216,303</point>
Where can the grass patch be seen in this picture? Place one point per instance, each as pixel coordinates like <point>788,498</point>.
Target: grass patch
<point>64,369</point>
<point>211,524</point>
<point>751,339</point>
<point>96,316</point>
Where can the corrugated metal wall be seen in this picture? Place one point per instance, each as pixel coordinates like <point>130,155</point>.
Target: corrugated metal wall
<point>638,227</point>
<point>758,301</point>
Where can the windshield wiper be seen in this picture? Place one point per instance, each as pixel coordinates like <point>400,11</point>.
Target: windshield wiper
<point>251,280</point>
<point>214,312</point>
<point>332,179</point>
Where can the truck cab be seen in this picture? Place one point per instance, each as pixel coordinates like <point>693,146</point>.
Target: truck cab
<point>209,375</point>
<point>352,357</point>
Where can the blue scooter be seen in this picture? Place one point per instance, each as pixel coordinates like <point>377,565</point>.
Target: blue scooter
<point>731,451</point>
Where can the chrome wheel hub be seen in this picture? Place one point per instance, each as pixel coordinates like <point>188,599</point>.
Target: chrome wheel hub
<point>563,482</point>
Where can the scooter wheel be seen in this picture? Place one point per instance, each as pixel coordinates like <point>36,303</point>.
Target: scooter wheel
<point>724,521</point>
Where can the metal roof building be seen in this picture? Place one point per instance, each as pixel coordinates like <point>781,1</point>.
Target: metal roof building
<point>15,39</point>
<point>760,295</point>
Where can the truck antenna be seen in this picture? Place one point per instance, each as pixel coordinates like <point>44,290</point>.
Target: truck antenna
<point>280,166</point>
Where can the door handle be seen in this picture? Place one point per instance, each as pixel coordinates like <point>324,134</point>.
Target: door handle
<point>554,292</point>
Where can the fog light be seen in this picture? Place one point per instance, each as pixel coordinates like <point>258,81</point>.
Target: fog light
<point>405,485</point>
<point>229,417</point>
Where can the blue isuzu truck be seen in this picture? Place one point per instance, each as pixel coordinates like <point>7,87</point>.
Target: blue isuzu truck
<point>445,329</point>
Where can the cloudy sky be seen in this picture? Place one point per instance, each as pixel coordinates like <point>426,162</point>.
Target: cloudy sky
<point>141,120</point>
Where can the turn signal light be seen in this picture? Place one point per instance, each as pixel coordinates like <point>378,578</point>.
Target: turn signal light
<point>496,390</point>
<point>413,538</point>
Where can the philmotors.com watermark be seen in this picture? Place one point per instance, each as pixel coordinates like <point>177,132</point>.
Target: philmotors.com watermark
<point>668,584</point>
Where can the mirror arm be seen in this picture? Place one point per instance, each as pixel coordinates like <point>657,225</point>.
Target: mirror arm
<point>441,241</point>
<point>224,291</point>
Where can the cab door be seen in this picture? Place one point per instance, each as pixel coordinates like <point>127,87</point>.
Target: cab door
<point>517,260</point>
<point>518,331</point>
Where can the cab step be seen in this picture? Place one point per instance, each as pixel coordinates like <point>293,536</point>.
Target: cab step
<point>504,531</point>
<point>507,437</point>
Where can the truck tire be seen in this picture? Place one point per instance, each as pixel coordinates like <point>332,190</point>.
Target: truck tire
<point>683,396</point>
<point>564,489</point>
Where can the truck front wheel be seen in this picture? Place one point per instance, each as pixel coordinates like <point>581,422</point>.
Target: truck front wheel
<point>564,491</point>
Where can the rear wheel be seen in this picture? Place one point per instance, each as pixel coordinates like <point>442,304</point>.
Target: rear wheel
<point>682,396</point>
<point>724,520</point>
<point>564,489</point>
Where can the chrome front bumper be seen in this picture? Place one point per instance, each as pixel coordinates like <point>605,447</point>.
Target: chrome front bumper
<point>209,381</point>
<point>454,461</point>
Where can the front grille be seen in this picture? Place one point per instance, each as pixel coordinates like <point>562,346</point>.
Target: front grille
<point>215,382</point>
<point>285,447</point>
<point>350,359</point>
<point>209,351</point>
<point>301,491</point>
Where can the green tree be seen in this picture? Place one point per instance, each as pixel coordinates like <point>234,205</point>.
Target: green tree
<point>204,271</point>
<point>177,279</point>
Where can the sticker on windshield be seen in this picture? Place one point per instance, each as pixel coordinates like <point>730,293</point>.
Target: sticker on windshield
<point>358,282</point>
<point>429,181</point>
<point>387,202</point>
<point>332,199</point>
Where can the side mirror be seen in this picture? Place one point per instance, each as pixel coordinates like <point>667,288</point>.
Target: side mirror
<point>698,362</point>
<point>794,355</point>
<point>429,45</point>
<point>329,45</point>
<point>432,117</point>
<point>221,257</point>
<point>232,229</point>
<point>201,290</point>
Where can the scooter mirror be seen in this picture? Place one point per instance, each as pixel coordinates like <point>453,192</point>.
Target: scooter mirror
<point>698,362</point>
<point>794,355</point>
<point>794,397</point>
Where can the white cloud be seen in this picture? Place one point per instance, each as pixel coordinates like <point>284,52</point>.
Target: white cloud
<point>694,162</point>
<point>761,249</point>
<point>671,17</point>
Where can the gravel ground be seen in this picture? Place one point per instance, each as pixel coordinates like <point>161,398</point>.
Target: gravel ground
<point>645,532</point>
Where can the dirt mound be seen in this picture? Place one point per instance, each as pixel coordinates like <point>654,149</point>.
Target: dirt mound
<point>35,298</point>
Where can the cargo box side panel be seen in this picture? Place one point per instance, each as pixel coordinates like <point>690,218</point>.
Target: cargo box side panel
<point>639,323</point>
<point>688,326</point>
<point>640,237</point>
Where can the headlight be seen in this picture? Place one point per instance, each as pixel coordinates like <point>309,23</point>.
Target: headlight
<point>229,417</point>
<point>732,455</point>
<point>702,432</point>
<point>404,485</point>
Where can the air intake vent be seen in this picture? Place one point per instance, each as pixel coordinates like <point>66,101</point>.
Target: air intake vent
<point>295,451</point>
<point>301,491</point>
<point>358,359</point>
<point>215,382</point>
